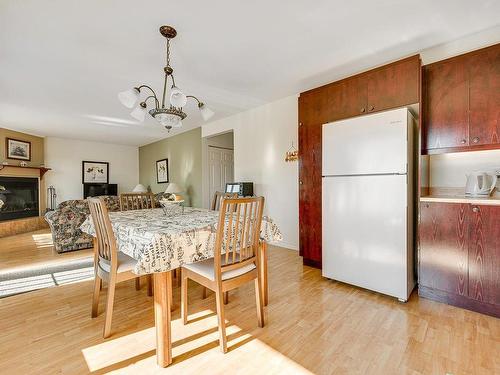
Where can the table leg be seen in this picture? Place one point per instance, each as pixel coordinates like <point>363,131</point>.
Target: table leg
<point>162,296</point>
<point>263,268</point>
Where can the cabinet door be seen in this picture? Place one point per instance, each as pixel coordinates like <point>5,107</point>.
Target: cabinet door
<point>347,98</point>
<point>484,254</point>
<point>485,97</point>
<point>394,86</point>
<point>443,261</point>
<point>310,193</point>
<point>445,117</point>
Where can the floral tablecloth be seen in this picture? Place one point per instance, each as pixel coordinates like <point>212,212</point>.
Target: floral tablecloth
<point>161,243</point>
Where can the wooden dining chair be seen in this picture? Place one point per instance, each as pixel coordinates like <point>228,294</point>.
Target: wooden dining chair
<point>138,201</point>
<point>218,195</point>
<point>236,259</point>
<point>110,265</point>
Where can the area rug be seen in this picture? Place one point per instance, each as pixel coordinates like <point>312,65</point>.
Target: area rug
<point>45,276</point>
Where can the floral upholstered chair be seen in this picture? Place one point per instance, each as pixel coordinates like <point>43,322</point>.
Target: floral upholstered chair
<point>65,223</point>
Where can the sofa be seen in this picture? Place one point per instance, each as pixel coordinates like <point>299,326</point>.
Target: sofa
<point>66,219</point>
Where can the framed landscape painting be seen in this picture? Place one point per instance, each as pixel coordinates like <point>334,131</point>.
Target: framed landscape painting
<point>16,149</point>
<point>95,172</point>
<point>162,171</point>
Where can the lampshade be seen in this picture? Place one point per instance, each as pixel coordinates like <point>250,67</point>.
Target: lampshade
<point>139,113</point>
<point>129,97</point>
<point>139,188</point>
<point>177,98</point>
<point>173,188</point>
<point>206,112</point>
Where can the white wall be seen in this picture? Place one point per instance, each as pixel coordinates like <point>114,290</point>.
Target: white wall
<point>449,170</point>
<point>261,138</point>
<point>65,157</point>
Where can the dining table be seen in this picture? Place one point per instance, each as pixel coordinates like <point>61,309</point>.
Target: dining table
<point>161,243</point>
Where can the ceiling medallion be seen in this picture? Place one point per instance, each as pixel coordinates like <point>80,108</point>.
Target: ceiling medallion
<point>169,116</point>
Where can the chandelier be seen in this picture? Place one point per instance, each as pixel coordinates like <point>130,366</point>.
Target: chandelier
<point>170,115</point>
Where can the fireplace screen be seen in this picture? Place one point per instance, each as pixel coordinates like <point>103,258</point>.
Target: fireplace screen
<point>18,197</point>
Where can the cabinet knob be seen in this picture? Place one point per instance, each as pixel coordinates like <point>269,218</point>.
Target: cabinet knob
<point>463,141</point>
<point>300,182</point>
<point>372,108</point>
<point>475,209</point>
<point>300,124</point>
<point>362,110</point>
<point>475,139</point>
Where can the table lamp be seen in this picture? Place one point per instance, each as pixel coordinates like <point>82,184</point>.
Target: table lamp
<point>139,188</point>
<point>172,189</point>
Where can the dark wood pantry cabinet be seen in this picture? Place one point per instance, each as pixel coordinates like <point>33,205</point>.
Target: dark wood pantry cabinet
<point>462,102</point>
<point>390,86</point>
<point>459,255</point>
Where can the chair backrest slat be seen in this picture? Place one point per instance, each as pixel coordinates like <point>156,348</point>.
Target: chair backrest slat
<point>106,242</point>
<point>136,201</point>
<point>238,233</point>
<point>218,195</point>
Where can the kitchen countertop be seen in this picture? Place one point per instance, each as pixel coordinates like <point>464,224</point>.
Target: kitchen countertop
<point>460,198</point>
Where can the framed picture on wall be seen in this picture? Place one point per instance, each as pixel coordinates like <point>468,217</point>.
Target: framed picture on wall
<point>162,171</point>
<point>95,172</point>
<point>16,149</point>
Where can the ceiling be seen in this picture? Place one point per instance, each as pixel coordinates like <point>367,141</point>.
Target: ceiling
<point>62,62</point>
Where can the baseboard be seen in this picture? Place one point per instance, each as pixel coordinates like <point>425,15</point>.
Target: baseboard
<point>459,301</point>
<point>285,245</point>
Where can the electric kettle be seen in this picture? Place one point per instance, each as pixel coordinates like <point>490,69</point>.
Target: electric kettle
<point>480,183</point>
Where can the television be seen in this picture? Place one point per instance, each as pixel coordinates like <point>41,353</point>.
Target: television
<point>94,190</point>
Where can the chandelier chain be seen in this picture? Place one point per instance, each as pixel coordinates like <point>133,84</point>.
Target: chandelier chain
<point>168,52</point>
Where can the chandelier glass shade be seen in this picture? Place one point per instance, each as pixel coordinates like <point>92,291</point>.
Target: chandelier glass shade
<point>169,115</point>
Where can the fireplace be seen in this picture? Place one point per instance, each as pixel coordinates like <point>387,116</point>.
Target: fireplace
<point>18,197</point>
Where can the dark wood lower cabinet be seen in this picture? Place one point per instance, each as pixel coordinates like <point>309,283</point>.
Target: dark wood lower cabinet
<point>484,254</point>
<point>459,255</point>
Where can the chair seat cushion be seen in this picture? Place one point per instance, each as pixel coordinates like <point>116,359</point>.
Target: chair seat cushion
<point>205,268</point>
<point>125,263</point>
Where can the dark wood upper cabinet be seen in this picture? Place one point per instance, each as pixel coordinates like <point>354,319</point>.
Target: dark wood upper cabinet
<point>484,97</point>
<point>347,98</point>
<point>394,86</point>
<point>443,259</point>
<point>446,105</point>
<point>462,102</point>
<point>484,254</point>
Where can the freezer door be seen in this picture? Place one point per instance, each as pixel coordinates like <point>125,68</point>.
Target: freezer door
<point>365,232</point>
<point>373,144</point>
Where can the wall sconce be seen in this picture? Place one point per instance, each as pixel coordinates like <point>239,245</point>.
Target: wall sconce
<point>292,154</point>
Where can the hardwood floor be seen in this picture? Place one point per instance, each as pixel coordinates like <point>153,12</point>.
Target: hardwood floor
<point>313,325</point>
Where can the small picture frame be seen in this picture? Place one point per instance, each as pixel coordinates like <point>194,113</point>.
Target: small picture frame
<point>17,149</point>
<point>162,171</point>
<point>95,172</point>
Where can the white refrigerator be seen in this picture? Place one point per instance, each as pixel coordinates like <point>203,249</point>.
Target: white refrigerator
<point>367,208</point>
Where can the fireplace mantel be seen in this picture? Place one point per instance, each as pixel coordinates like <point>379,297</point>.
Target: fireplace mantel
<point>42,170</point>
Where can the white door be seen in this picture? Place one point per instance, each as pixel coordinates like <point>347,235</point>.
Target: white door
<point>220,169</point>
<point>365,232</point>
<point>373,144</point>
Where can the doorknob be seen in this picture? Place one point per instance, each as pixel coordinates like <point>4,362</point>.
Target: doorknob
<point>300,182</point>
